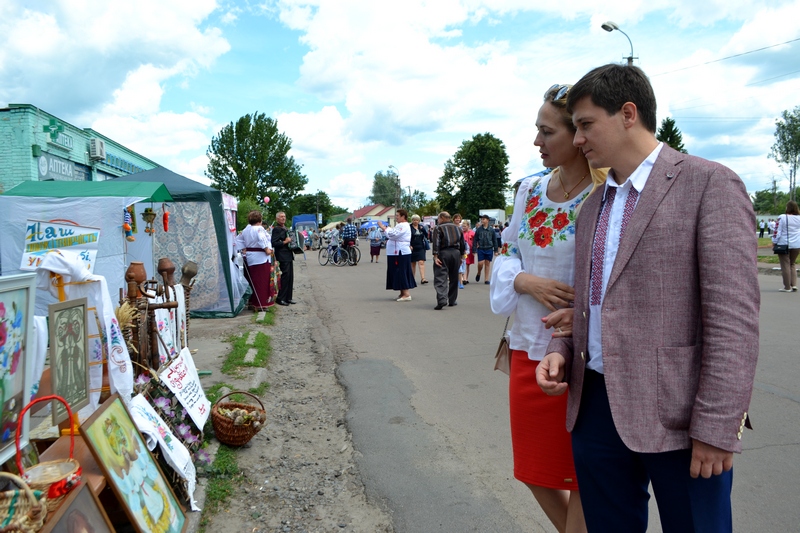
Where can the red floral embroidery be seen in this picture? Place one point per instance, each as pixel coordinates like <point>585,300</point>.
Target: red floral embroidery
<point>504,249</point>
<point>543,236</point>
<point>538,219</point>
<point>560,221</point>
<point>533,203</point>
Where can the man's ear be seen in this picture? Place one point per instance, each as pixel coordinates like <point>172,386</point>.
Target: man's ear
<point>629,113</point>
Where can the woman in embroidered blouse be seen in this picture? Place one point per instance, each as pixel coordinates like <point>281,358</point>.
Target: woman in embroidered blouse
<point>398,256</point>
<point>533,276</point>
<point>256,246</point>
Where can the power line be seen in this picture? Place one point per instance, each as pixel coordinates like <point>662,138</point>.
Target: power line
<point>724,58</point>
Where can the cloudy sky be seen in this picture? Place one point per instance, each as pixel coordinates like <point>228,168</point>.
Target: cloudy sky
<point>359,85</point>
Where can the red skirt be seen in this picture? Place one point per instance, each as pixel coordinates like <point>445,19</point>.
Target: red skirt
<point>542,445</point>
<point>259,277</point>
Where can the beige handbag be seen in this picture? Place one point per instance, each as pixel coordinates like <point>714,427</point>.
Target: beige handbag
<point>502,359</point>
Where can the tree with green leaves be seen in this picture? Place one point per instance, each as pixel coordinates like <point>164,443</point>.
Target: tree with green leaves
<point>669,133</point>
<point>385,188</point>
<point>475,178</point>
<point>250,159</point>
<point>786,150</point>
<point>412,202</point>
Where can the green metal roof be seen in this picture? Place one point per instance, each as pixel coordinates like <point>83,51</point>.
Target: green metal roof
<point>152,192</point>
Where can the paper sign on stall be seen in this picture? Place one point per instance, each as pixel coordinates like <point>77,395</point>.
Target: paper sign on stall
<point>43,237</point>
<point>182,379</point>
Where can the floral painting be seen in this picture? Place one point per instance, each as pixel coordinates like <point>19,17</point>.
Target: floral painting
<point>16,306</point>
<point>131,471</point>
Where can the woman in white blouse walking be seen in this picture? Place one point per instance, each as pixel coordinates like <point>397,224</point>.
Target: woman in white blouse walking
<point>533,276</point>
<point>399,276</point>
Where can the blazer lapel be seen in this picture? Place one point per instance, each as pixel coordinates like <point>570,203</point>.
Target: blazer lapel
<point>663,174</point>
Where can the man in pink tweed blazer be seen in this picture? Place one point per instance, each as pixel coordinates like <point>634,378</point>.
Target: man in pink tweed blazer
<point>661,364</point>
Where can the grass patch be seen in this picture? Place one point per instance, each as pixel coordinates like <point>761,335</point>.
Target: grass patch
<point>213,393</point>
<point>260,390</point>
<point>765,241</point>
<point>773,259</point>
<point>222,482</point>
<point>240,348</point>
<point>269,317</point>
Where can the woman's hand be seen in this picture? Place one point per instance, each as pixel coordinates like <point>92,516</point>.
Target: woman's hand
<point>561,320</point>
<point>549,292</point>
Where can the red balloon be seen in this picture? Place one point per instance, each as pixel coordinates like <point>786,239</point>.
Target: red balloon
<point>266,199</point>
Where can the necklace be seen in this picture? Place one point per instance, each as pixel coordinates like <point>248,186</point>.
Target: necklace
<point>561,182</point>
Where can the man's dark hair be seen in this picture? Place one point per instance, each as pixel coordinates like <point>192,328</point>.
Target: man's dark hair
<point>403,213</point>
<point>613,85</point>
<point>349,219</point>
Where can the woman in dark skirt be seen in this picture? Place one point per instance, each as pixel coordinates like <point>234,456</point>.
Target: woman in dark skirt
<point>419,236</point>
<point>375,238</point>
<point>398,257</point>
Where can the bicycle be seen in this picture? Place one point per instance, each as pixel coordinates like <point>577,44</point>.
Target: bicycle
<point>353,254</point>
<point>334,255</point>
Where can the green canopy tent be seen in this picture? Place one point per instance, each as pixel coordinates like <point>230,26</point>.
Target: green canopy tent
<point>150,191</point>
<point>199,231</point>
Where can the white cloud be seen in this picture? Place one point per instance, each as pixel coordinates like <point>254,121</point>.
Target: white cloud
<point>350,190</point>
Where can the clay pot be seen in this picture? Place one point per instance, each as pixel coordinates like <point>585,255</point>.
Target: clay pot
<point>137,272</point>
<point>166,269</point>
<point>188,271</point>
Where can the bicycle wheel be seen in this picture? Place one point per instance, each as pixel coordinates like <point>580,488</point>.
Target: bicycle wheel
<point>355,251</point>
<point>323,256</point>
<point>341,256</point>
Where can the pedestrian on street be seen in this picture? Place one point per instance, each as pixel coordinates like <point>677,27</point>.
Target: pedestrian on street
<point>448,250</point>
<point>532,278</point>
<point>398,256</point>
<point>375,238</point>
<point>469,233</point>
<point>762,226</point>
<point>662,358</point>
<point>487,245</point>
<point>285,257</point>
<point>788,232</point>
<point>419,237</point>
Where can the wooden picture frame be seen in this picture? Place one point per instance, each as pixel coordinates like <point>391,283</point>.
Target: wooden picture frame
<point>17,295</point>
<point>120,451</point>
<point>69,356</point>
<point>81,510</point>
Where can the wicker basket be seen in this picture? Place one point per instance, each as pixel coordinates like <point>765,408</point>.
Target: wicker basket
<point>20,510</point>
<point>54,478</point>
<point>226,430</point>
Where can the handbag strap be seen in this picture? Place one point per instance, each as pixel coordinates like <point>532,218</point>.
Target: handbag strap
<point>505,328</point>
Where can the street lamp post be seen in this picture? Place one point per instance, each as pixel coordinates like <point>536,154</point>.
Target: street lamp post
<point>611,26</point>
<point>397,192</point>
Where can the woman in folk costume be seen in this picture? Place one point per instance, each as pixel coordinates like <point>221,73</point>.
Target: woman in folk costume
<point>533,278</point>
<point>257,248</point>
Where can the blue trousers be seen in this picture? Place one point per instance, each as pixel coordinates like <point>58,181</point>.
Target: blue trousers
<point>614,480</point>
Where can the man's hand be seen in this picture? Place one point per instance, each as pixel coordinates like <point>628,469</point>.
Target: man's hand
<point>549,292</point>
<point>550,374</point>
<point>437,261</point>
<point>287,240</point>
<point>708,460</point>
<point>561,321</point>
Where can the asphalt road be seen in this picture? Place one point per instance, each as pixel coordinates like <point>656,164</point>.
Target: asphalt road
<point>429,416</point>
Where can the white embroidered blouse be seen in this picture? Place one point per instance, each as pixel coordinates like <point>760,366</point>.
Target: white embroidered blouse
<point>539,240</point>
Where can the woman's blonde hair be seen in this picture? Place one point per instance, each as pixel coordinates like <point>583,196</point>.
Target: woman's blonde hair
<point>415,217</point>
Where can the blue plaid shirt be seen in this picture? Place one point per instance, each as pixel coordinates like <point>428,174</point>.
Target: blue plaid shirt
<point>349,232</point>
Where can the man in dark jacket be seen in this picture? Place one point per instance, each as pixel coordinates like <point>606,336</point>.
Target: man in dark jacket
<point>285,258</point>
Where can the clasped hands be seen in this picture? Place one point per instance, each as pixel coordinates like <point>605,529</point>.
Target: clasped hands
<point>554,295</point>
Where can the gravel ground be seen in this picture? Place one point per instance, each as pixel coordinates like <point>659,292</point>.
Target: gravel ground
<point>299,472</point>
